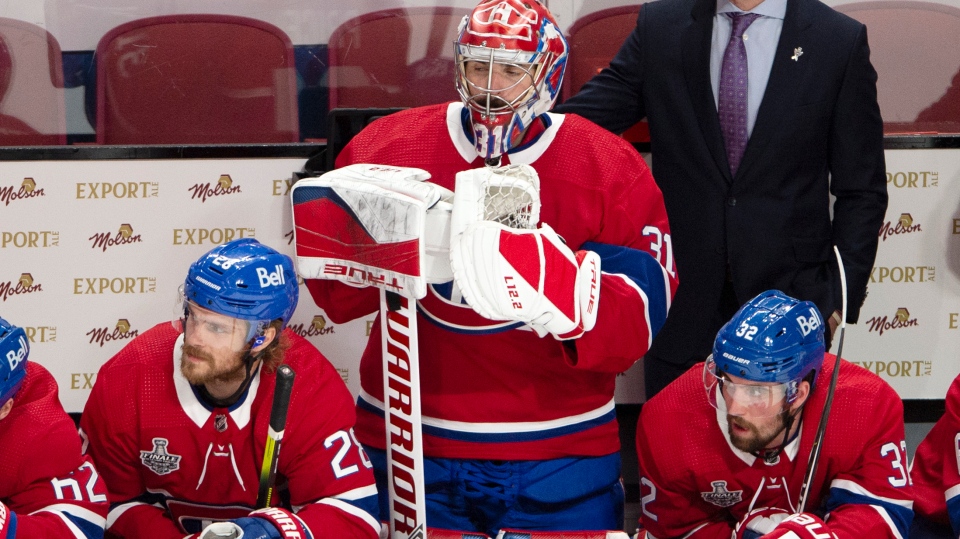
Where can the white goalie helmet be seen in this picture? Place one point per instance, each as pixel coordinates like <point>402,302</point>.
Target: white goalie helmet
<point>523,38</point>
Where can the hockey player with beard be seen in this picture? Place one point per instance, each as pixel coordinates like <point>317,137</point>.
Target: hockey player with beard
<point>730,461</point>
<point>519,426</point>
<point>178,419</point>
<point>48,489</point>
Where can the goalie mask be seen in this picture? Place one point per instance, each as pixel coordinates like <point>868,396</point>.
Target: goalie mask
<point>773,340</point>
<point>244,280</point>
<point>510,61</point>
<point>14,349</point>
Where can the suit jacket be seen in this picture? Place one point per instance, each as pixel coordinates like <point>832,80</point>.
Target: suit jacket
<point>770,223</point>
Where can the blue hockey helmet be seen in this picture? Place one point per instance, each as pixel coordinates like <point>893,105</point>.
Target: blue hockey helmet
<point>14,349</point>
<point>772,338</point>
<point>246,280</point>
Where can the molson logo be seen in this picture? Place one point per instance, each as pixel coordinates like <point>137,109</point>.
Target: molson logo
<point>898,369</point>
<point>216,236</point>
<point>114,285</point>
<point>123,236</point>
<point>24,286</point>
<point>224,186</point>
<point>120,332</point>
<point>101,190</point>
<point>28,189</point>
<point>31,239</point>
<point>318,326</point>
<point>900,320</point>
<point>913,180</point>
<point>904,226</point>
<point>41,333</point>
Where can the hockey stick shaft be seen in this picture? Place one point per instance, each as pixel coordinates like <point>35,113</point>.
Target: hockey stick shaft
<point>814,459</point>
<point>278,421</point>
<point>404,430</point>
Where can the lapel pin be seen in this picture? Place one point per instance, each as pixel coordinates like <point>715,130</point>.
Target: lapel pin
<point>797,52</point>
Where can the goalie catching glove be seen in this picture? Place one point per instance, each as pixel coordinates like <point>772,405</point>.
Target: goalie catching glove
<point>373,225</point>
<point>527,275</point>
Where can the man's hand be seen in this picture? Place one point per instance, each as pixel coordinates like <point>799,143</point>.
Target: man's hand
<point>269,523</point>
<point>758,522</point>
<point>801,526</point>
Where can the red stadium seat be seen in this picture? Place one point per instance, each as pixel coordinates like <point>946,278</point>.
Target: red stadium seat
<point>914,48</point>
<point>32,106</point>
<point>394,58</point>
<point>594,41</point>
<point>196,79</point>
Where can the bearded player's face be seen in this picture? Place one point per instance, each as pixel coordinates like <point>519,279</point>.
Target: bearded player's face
<point>213,347</point>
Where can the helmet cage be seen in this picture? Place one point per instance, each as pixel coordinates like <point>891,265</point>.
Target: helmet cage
<point>14,350</point>
<point>520,35</point>
<point>757,400</point>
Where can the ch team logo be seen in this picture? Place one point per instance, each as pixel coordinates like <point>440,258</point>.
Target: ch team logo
<point>444,306</point>
<point>720,496</point>
<point>497,13</point>
<point>158,459</point>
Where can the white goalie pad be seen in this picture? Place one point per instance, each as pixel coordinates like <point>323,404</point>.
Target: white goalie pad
<point>509,195</point>
<point>373,225</point>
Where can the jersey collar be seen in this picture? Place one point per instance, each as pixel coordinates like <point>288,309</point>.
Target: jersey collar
<point>197,410</point>
<point>790,450</point>
<point>534,145</point>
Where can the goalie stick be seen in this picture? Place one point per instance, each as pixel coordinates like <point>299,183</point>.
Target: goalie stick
<point>814,458</point>
<point>278,421</point>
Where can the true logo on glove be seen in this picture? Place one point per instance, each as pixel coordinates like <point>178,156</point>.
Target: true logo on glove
<point>362,276</point>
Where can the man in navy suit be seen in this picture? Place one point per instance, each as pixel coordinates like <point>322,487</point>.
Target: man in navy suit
<point>812,128</point>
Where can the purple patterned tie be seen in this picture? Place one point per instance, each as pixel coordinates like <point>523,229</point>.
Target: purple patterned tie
<point>732,103</point>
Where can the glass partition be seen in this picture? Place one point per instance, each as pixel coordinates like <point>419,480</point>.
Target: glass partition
<point>249,71</point>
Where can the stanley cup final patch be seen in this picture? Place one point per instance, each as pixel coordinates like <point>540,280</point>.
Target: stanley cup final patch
<point>720,496</point>
<point>158,459</point>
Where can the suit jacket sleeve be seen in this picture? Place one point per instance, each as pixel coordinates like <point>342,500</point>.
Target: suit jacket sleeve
<point>613,99</point>
<point>858,173</point>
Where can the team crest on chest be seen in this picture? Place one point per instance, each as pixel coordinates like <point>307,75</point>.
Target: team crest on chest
<point>158,459</point>
<point>720,496</point>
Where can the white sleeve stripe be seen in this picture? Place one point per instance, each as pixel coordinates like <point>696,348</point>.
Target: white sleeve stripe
<point>358,493</point>
<point>845,484</point>
<point>119,510</point>
<point>353,510</point>
<point>951,492</point>
<point>886,518</point>
<point>646,301</point>
<point>61,510</point>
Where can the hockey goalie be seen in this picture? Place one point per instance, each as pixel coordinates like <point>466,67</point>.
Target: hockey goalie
<point>534,251</point>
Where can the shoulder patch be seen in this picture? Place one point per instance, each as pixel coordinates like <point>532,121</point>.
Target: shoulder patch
<point>158,459</point>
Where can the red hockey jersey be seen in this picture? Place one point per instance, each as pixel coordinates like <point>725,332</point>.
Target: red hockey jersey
<point>694,483</point>
<point>936,466</point>
<point>492,389</point>
<point>54,490</point>
<point>173,464</point>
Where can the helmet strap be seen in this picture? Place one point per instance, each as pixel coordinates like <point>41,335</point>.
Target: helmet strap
<point>248,361</point>
<point>770,456</point>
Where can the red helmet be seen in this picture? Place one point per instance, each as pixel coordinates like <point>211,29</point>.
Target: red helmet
<point>519,34</point>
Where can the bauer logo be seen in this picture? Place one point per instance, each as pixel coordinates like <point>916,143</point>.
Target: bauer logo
<point>318,327</point>
<point>903,274</point>
<point>210,236</point>
<point>27,189</point>
<point>117,190</point>
<point>29,239</point>
<point>25,285</point>
<point>114,285</point>
<point>41,334</point>
<point>913,179</point>
<point>223,186</point>
<point>123,236</point>
<point>898,369</point>
<point>905,225</point>
<point>884,324</point>
<point>119,332</point>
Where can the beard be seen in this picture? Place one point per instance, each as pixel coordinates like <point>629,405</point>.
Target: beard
<point>208,370</point>
<point>756,440</point>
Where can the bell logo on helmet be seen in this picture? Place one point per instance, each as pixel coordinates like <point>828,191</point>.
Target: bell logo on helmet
<point>808,325</point>
<point>271,278</point>
<point>14,358</point>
